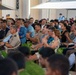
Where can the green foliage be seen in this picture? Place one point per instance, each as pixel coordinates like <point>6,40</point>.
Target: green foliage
<point>34,69</point>
<point>60,50</point>
<point>3,53</point>
<point>24,72</point>
<point>28,44</point>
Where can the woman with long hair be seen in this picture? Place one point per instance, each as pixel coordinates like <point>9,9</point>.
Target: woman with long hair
<point>65,36</point>
<point>55,43</point>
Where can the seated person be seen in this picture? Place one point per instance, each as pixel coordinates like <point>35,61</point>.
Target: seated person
<point>74,40</point>
<point>37,55</point>
<point>55,65</point>
<point>49,39</point>
<point>8,69</point>
<point>21,30</point>
<point>19,58</point>
<point>30,29</point>
<point>1,32</point>
<point>39,45</point>
<point>31,67</point>
<point>71,51</point>
<point>25,51</point>
<point>65,36</point>
<point>45,53</point>
<point>37,38</point>
<point>54,44</point>
<point>9,23</point>
<point>73,45</point>
<point>4,27</point>
<point>6,39</point>
<point>14,39</point>
<point>72,36</point>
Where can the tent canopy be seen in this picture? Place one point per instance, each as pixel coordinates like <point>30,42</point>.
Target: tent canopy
<point>3,7</point>
<point>56,5</point>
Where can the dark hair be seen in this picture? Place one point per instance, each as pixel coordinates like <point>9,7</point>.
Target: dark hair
<point>51,20</point>
<point>51,28</point>
<point>13,21</point>
<point>38,24</point>
<point>60,14</point>
<point>74,21</point>
<point>64,25</point>
<point>23,20</point>
<point>40,21</point>
<point>31,18</point>
<point>46,52</point>
<point>18,18</point>
<point>60,63</point>
<point>4,21</point>
<point>43,19</point>
<point>56,20</point>
<point>25,51</point>
<point>8,67</point>
<point>19,58</point>
<point>1,19</point>
<point>57,33</point>
<point>14,27</point>
<point>66,21</point>
<point>36,21</point>
<point>27,21</point>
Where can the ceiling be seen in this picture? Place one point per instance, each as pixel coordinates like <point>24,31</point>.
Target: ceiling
<point>2,7</point>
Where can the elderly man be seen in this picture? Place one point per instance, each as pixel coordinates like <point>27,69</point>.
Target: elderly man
<point>9,23</point>
<point>13,40</point>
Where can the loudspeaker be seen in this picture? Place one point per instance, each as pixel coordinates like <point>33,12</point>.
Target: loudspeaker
<point>17,4</point>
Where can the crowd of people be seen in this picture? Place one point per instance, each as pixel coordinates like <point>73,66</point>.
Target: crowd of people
<point>46,38</point>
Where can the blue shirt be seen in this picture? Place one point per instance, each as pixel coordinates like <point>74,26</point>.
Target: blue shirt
<point>22,34</point>
<point>61,18</point>
<point>50,40</point>
<point>7,38</point>
<point>31,30</point>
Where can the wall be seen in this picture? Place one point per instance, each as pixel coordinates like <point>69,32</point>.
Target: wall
<point>0,10</point>
<point>34,13</point>
<point>62,0</point>
<point>52,14</point>
<point>26,8</point>
<point>47,13</point>
<point>0,14</point>
<point>20,11</point>
<point>71,14</point>
<point>10,4</point>
<point>44,12</point>
<point>67,13</point>
<point>63,11</point>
